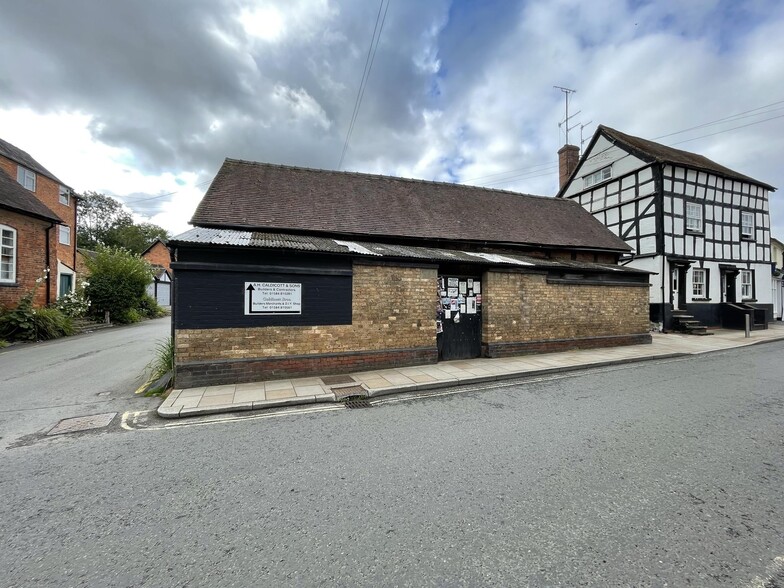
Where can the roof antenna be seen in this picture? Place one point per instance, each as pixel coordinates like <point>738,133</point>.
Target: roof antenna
<point>565,121</point>
<point>582,141</point>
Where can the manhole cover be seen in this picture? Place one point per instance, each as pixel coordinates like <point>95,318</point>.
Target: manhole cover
<point>357,402</point>
<point>332,380</point>
<point>343,392</point>
<point>84,423</point>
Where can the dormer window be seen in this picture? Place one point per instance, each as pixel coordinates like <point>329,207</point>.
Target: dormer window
<point>598,176</point>
<point>64,196</point>
<point>25,177</point>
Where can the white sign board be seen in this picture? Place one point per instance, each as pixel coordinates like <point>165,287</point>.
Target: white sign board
<point>273,298</point>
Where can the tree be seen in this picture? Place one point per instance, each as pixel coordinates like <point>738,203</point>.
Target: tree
<point>102,221</point>
<point>98,214</point>
<point>135,238</point>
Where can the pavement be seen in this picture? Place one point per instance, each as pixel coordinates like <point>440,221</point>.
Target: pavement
<point>299,391</point>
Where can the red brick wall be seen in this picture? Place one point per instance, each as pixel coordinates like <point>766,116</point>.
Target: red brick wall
<point>48,192</point>
<point>30,259</point>
<point>159,255</point>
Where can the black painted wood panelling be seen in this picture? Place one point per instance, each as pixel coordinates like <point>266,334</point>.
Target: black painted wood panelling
<point>212,300</point>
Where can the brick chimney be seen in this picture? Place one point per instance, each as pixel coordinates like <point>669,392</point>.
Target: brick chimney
<point>568,156</point>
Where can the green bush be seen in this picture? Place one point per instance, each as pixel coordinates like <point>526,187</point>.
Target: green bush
<point>149,307</point>
<point>18,324</point>
<point>74,304</point>
<point>50,323</point>
<point>118,280</point>
<point>163,362</point>
<point>127,317</point>
<point>25,323</point>
<point>4,343</point>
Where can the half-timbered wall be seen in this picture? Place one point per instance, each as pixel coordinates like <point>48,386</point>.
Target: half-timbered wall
<point>722,202</point>
<point>629,204</point>
<point>603,154</point>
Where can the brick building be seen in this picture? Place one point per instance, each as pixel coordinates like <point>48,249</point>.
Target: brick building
<point>293,271</point>
<point>159,257</point>
<point>38,224</point>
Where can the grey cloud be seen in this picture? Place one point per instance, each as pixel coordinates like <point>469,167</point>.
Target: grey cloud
<point>154,78</point>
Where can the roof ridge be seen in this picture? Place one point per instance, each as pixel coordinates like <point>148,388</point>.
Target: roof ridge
<point>382,176</point>
<point>648,146</point>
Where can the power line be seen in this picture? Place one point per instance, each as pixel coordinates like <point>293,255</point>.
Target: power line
<point>371,56</point>
<point>509,171</point>
<point>145,199</point>
<point>730,129</point>
<point>728,118</point>
<point>733,117</point>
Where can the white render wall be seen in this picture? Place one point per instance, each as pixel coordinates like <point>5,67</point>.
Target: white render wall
<point>654,265</point>
<point>602,154</point>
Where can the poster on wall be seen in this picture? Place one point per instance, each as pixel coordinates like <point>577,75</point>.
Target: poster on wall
<point>471,305</point>
<point>273,298</point>
<point>439,327</point>
<point>477,287</point>
<point>452,292</point>
<point>452,282</point>
<point>463,287</point>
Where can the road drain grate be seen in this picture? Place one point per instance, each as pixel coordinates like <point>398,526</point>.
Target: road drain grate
<point>85,423</point>
<point>357,402</point>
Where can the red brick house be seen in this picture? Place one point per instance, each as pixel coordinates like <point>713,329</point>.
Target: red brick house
<point>159,257</point>
<point>38,229</point>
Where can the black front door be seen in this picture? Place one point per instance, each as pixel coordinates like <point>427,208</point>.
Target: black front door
<point>730,279</point>
<point>460,317</point>
<point>682,287</point>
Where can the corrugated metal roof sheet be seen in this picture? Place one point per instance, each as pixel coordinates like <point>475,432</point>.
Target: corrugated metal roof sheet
<point>205,236</point>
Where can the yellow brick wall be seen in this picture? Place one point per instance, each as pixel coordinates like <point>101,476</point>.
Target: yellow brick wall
<point>524,307</point>
<point>393,308</point>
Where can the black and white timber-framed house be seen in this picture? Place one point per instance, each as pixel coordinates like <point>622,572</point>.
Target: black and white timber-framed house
<point>702,230</point>
<point>292,271</point>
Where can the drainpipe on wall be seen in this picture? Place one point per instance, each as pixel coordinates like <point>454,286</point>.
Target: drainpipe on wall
<point>75,242</point>
<point>663,303</point>
<point>48,264</point>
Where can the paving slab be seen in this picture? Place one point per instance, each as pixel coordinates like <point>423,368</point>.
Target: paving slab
<point>290,392</point>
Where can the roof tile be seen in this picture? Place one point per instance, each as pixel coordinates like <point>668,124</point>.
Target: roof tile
<point>276,198</point>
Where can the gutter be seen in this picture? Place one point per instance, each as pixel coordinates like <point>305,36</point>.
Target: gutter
<point>48,264</point>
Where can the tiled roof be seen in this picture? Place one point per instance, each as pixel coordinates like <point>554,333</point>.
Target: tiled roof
<point>276,198</point>
<point>17,198</point>
<point>371,250</point>
<point>664,154</point>
<point>23,158</point>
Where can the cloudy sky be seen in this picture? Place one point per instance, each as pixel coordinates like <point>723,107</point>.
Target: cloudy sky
<point>143,99</point>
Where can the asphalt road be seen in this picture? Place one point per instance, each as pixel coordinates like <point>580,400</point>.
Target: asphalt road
<point>666,473</point>
<point>91,373</point>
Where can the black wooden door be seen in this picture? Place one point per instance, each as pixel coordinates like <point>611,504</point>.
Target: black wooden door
<point>460,317</point>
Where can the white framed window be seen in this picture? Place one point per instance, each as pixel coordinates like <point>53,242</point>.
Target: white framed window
<point>746,284</point>
<point>699,283</point>
<point>65,235</point>
<point>693,217</point>
<point>25,177</point>
<point>7,255</point>
<point>598,176</point>
<point>65,198</point>
<point>747,225</point>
